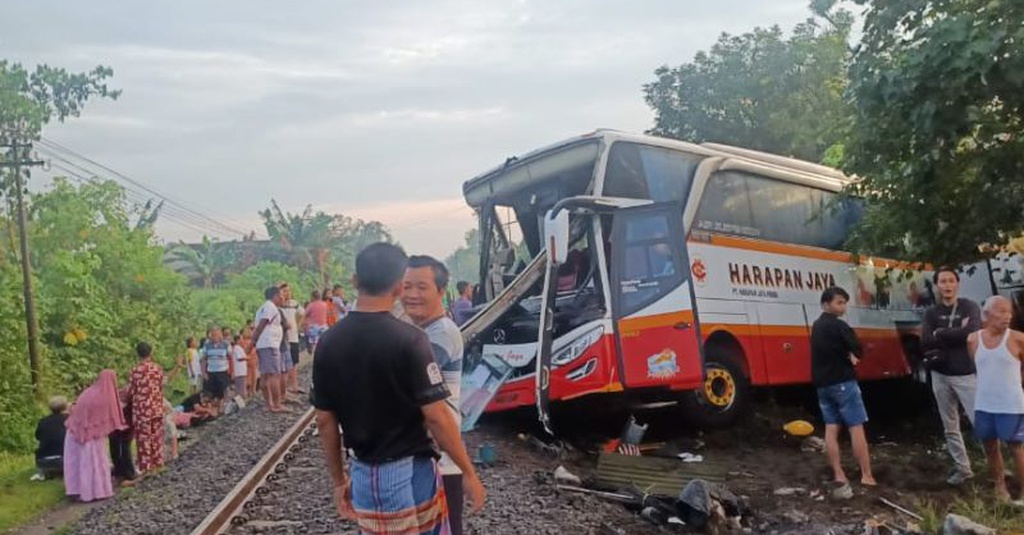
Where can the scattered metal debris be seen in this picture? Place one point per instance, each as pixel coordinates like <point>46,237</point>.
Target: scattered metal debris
<point>900,509</point>
<point>654,475</point>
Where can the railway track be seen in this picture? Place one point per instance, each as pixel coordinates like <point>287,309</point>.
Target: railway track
<point>287,491</point>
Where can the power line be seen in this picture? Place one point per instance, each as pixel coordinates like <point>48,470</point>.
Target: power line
<point>182,205</point>
<point>170,212</point>
<point>169,216</point>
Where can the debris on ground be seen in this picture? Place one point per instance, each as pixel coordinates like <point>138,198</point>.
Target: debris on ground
<point>813,445</point>
<point>961,525</point>
<point>565,477</point>
<point>899,508</point>
<point>653,475</point>
<point>789,491</point>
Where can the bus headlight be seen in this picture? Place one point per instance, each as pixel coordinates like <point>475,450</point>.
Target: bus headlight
<point>576,348</point>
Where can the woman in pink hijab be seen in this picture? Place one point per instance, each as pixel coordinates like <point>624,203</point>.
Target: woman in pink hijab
<point>95,414</point>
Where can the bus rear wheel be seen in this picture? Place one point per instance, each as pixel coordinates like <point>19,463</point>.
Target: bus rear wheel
<point>722,398</point>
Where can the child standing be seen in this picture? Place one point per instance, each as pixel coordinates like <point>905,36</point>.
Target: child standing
<point>195,370</point>
<point>240,374</point>
<point>835,353</point>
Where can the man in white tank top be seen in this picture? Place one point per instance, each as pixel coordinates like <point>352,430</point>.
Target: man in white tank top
<point>999,405</point>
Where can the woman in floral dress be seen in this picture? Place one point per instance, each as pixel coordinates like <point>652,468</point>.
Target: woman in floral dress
<point>146,397</point>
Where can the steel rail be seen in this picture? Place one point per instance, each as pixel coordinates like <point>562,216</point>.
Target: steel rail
<point>220,519</point>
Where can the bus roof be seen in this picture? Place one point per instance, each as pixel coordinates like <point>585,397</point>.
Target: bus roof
<point>485,184</point>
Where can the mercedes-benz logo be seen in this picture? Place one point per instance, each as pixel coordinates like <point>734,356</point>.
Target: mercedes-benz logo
<point>499,336</point>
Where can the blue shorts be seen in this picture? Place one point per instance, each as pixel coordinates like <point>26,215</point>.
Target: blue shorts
<point>995,426</point>
<point>841,404</point>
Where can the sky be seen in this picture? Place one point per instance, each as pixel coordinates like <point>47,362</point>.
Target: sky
<point>377,110</point>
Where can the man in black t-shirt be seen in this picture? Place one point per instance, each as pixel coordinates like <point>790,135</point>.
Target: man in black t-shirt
<point>835,353</point>
<point>376,377</point>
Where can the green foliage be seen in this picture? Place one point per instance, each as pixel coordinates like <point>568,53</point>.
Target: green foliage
<point>21,499</point>
<point>762,90</point>
<point>938,87</point>
<point>320,242</point>
<point>464,262</point>
<point>29,100</point>
<point>206,263</point>
<point>979,506</point>
<point>236,301</point>
<point>101,287</point>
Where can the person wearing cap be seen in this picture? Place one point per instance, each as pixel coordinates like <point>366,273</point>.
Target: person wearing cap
<point>50,434</point>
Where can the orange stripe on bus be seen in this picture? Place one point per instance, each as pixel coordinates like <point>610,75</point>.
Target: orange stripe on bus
<point>787,330</point>
<point>657,320</point>
<point>806,252</point>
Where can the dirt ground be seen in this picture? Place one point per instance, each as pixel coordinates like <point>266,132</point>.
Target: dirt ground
<point>908,453</point>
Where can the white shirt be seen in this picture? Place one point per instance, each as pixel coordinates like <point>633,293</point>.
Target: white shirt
<point>272,334</point>
<point>241,362</point>
<point>999,378</point>
<point>290,311</point>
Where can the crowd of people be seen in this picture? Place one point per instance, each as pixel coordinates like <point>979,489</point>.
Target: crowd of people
<point>89,442</point>
<point>975,362</point>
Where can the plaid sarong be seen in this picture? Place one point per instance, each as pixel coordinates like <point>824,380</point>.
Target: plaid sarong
<point>403,497</point>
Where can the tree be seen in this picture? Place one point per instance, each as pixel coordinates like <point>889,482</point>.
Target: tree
<point>307,239</point>
<point>321,242</point>
<point>28,101</point>
<point>464,262</point>
<point>761,90</point>
<point>206,262</point>
<point>938,89</point>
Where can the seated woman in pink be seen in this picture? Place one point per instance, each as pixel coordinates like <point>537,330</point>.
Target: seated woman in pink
<point>95,414</point>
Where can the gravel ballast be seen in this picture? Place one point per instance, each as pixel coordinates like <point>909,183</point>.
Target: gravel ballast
<point>212,461</point>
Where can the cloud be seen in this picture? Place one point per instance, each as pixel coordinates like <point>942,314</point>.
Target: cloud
<point>381,109</point>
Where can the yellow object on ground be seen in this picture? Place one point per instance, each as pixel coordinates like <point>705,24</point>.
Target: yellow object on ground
<point>799,428</point>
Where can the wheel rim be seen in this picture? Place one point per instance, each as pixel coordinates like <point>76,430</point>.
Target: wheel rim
<point>719,389</point>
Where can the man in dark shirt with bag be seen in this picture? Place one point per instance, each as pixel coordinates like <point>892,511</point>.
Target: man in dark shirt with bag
<point>835,352</point>
<point>944,332</point>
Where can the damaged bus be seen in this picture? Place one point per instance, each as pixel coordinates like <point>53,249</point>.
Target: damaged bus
<point>651,270</point>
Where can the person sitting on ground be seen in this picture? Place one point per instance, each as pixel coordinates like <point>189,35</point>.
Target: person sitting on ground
<point>835,353</point>
<point>998,353</point>
<point>199,410</point>
<point>95,414</point>
<point>50,433</point>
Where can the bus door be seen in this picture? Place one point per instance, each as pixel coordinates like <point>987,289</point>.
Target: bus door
<point>785,341</point>
<point>652,299</point>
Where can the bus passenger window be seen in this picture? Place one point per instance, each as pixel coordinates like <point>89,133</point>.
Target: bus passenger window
<point>638,171</point>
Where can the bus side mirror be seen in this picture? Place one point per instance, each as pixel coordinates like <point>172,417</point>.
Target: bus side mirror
<point>556,236</point>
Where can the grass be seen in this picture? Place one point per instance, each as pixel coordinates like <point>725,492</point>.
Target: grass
<point>980,507</point>
<point>22,500</point>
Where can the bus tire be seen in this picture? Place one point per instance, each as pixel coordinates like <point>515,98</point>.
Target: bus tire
<point>723,397</point>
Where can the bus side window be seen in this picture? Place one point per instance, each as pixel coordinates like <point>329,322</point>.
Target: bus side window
<point>753,206</point>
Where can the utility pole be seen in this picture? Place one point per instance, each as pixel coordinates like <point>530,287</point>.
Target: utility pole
<point>16,162</point>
